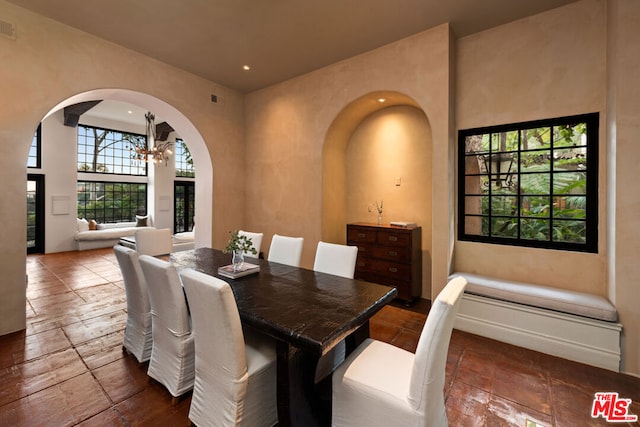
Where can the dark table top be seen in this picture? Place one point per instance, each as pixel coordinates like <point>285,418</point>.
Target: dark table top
<point>310,310</point>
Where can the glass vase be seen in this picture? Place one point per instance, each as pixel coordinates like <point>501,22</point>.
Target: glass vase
<point>237,259</point>
<point>379,219</point>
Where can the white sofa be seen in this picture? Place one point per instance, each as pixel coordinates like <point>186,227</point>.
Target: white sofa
<point>106,235</point>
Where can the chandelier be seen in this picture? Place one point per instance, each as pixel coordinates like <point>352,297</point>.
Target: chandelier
<point>157,150</point>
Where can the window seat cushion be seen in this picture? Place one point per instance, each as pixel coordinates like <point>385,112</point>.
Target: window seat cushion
<point>109,231</point>
<point>556,299</point>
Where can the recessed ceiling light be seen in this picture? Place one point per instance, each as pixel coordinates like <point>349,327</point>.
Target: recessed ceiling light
<point>381,100</point>
<point>129,111</point>
<point>246,67</point>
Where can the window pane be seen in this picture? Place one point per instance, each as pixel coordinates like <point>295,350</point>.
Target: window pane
<point>476,144</point>
<point>571,135</point>
<point>535,139</point>
<point>476,184</point>
<point>476,205</point>
<point>570,183</point>
<point>570,159</point>
<point>569,231</point>
<point>34,159</point>
<point>111,201</point>
<point>183,160</point>
<point>504,205</point>
<point>535,207</point>
<point>570,207</point>
<point>535,183</point>
<point>476,225</point>
<point>109,151</point>
<point>504,227</point>
<point>534,229</point>
<point>536,161</point>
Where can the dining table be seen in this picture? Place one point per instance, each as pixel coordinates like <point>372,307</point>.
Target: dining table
<point>307,313</point>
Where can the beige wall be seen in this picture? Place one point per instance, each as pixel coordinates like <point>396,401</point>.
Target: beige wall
<point>624,157</point>
<point>48,63</point>
<point>288,126</point>
<point>548,65</point>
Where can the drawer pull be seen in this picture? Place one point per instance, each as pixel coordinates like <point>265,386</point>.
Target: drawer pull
<point>393,269</point>
<point>393,238</point>
<point>393,253</point>
<point>362,235</point>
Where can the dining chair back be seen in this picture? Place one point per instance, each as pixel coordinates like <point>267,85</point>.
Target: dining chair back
<point>154,241</point>
<point>137,333</point>
<point>380,384</point>
<point>286,250</point>
<point>173,356</point>
<point>235,381</point>
<point>256,240</point>
<point>339,260</point>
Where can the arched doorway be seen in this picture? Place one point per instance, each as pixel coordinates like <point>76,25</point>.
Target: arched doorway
<point>184,127</point>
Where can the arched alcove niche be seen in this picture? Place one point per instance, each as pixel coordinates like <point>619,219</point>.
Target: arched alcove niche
<point>379,151</point>
<point>186,129</point>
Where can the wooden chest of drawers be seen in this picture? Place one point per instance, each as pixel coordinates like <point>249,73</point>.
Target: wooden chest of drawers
<point>389,255</point>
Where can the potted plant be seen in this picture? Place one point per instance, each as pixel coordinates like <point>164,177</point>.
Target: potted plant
<point>238,245</point>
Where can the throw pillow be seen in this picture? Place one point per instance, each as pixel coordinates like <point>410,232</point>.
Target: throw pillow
<point>141,221</point>
<point>83,224</point>
<point>93,225</point>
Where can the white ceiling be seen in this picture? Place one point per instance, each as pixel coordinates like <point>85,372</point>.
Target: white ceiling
<point>279,39</point>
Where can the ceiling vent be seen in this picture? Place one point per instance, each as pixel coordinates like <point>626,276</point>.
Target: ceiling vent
<point>7,30</point>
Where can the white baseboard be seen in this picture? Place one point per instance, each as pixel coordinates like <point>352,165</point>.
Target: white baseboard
<point>584,340</point>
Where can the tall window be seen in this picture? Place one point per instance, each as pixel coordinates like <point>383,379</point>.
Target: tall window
<point>184,162</point>
<point>111,201</point>
<point>108,151</point>
<point>531,184</point>
<point>33,161</point>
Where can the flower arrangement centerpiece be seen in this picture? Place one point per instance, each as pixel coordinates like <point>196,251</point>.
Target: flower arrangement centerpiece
<point>238,245</point>
<point>378,207</point>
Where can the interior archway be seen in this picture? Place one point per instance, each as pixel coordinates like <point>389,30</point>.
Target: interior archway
<point>379,147</point>
<point>186,129</point>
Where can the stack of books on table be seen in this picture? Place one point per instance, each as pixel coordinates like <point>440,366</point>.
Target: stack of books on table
<point>244,270</point>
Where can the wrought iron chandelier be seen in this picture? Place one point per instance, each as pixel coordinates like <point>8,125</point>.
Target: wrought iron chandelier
<point>157,150</point>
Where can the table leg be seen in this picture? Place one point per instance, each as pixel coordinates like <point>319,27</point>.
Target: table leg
<point>298,402</point>
<point>356,338</point>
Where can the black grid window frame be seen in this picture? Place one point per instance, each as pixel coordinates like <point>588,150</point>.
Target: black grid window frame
<point>184,169</point>
<point>108,202</point>
<point>590,243</point>
<point>112,160</point>
<point>35,152</point>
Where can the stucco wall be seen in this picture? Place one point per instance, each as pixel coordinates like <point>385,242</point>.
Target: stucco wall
<point>624,158</point>
<point>548,65</point>
<point>48,63</point>
<point>287,126</point>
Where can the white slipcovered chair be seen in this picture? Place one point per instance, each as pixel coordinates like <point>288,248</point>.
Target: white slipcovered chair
<point>339,260</point>
<point>382,385</point>
<point>286,250</point>
<point>172,360</point>
<point>256,240</point>
<point>154,241</point>
<point>137,334</point>
<point>235,373</point>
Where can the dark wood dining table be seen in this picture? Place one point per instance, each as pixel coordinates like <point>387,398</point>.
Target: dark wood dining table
<point>307,313</point>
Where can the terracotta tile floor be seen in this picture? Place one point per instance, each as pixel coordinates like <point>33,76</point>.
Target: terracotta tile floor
<point>68,367</point>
